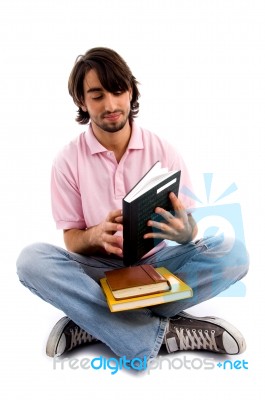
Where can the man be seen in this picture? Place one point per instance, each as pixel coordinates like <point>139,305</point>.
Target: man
<point>89,179</point>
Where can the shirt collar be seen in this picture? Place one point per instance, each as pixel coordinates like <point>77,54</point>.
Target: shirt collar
<point>136,140</point>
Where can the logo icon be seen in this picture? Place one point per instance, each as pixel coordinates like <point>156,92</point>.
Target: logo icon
<point>217,217</point>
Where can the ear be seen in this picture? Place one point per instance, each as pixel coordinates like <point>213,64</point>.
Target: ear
<point>130,94</point>
<point>80,103</point>
<point>83,108</point>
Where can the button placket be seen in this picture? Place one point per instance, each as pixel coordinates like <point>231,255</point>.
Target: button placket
<point>119,182</point>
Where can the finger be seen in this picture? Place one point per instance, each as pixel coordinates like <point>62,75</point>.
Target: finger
<point>176,203</point>
<point>157,235</point>
<point>113,244</point>
<point>114,214</point>
<point>158,225</point>
<point>112,227</point>
<point>112,239</point>
<point>165,214</point>
<point>113,250</point>
<point>179,209</point>
<point>178,216</point>
<point>119,219</point>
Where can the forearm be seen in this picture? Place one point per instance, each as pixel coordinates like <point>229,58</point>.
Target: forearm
<point>100,238</point>
<point>82,241</point>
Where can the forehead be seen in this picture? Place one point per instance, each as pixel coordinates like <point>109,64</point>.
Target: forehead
<point>91,80</point>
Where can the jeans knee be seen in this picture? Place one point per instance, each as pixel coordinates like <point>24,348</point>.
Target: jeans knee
<point>28,261</point>
<point>230,254</point>
<point>236,257</point>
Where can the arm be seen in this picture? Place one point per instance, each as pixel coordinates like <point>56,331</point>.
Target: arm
<point>97,239</point>
<point>180,227</point>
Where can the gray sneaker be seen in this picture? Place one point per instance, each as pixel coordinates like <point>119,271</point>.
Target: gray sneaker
<point>65,336</point>
<point>186,332</point>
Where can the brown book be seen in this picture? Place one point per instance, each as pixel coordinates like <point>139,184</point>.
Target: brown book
<point>134,281</point>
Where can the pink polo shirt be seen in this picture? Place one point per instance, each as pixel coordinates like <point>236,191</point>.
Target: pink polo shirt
<point>87,182</point>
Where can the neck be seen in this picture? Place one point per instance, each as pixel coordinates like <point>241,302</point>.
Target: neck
<point>114,141</point>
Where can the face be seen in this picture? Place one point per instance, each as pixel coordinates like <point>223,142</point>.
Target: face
<point>108,111</point>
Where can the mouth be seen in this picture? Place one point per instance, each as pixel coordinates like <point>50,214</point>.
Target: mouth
<point>112,117</point>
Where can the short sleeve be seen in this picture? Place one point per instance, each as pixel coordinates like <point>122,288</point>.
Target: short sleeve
<point>66,201</point>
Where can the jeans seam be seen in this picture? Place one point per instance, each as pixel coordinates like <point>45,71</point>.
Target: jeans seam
<point>34,291</point>
<point>75,259</point>
<point>159,339</point>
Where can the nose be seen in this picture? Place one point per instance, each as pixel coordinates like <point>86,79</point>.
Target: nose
<point>110,102</point>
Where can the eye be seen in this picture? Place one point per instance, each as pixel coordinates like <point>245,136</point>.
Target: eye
<point>118,93</point>
<point>99,97</point>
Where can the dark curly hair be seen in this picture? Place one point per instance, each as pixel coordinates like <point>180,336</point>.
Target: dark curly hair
<point>114,75</point>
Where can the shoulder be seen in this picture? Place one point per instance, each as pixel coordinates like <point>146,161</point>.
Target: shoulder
<point>153,139</point>
<point>155,143</point>
<point>68,156</point>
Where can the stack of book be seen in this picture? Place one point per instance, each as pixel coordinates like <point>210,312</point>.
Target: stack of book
<point>142,286</point>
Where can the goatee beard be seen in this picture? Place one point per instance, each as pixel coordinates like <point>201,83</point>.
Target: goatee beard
<point>112,127</point>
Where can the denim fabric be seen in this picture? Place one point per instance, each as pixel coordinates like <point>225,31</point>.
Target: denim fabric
<point>70,282</point>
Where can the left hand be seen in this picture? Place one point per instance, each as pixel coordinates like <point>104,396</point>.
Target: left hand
<point>179,227</point>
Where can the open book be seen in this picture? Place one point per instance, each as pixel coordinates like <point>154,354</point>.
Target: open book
<point>138,207</point>
<point>178,290</point>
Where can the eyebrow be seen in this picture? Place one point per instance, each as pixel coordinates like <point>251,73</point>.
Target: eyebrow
<point>91,90</point>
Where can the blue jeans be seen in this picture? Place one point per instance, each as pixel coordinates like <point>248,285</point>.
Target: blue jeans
<point>70,282</point>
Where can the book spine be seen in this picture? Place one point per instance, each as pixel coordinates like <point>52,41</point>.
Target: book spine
<point>140,211</point>
<point>152,273</point>
<point>129,233</point>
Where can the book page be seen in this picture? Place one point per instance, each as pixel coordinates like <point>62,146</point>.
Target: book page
<point>151,179</point>
<point>148,185</point>
<point>152,173</point>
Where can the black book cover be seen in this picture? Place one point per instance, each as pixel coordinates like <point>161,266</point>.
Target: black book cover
<point>138,212</point>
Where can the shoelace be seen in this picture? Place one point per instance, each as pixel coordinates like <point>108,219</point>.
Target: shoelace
<point>79,336</point>
<point>196,339</point>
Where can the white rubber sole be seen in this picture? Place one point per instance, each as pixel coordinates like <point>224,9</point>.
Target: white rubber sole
<point>55,336</point>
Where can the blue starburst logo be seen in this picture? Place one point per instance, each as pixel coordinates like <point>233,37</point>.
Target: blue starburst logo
<point>216,217</point>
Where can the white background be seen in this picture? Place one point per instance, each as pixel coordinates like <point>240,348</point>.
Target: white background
<point>201,65</point>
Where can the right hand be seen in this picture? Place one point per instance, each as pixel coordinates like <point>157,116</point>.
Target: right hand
<point>105,233</point>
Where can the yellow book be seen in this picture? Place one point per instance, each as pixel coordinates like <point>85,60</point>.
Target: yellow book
<point>179,290</point>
